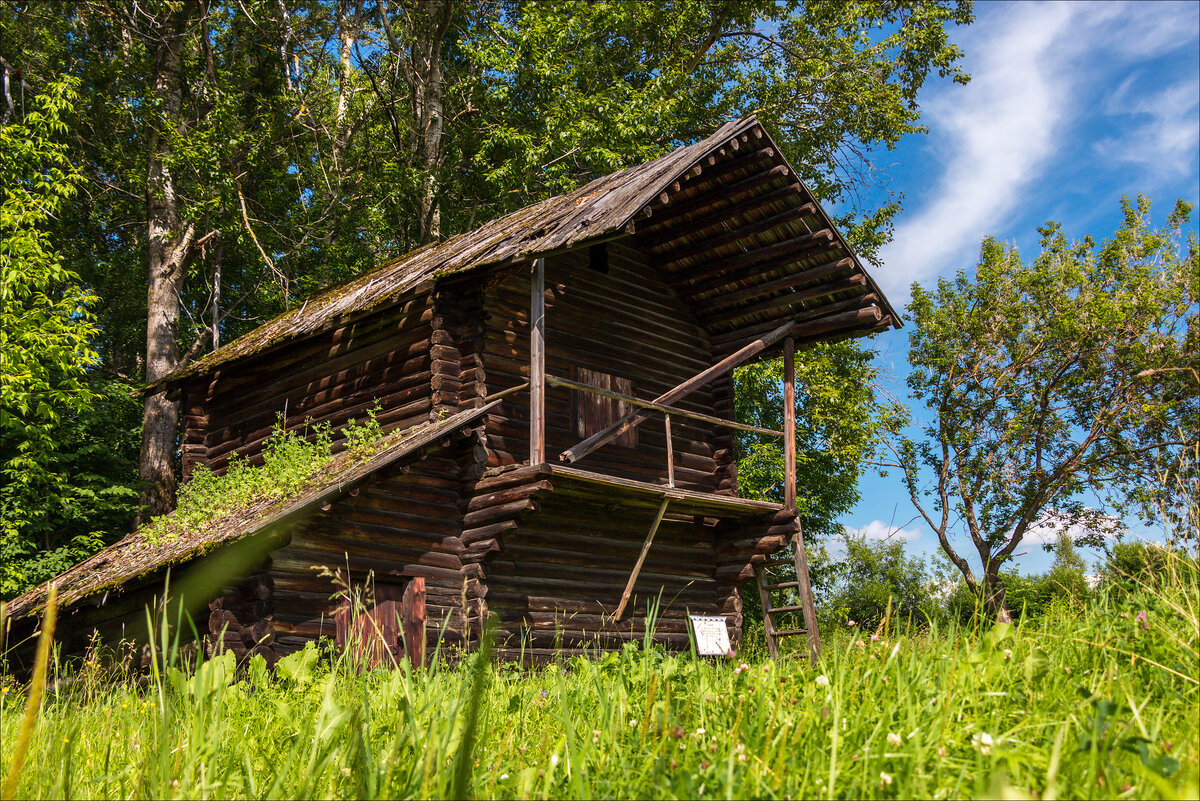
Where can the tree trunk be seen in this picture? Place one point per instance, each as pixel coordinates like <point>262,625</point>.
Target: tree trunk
<point>168,242</point>
<point>429,108</point>
<point>995,600</point>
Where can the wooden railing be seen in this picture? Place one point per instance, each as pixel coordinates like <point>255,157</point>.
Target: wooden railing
<point>667,412</point>
<point>785,334</point>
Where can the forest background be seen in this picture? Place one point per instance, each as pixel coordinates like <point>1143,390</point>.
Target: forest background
<point>182,171</point>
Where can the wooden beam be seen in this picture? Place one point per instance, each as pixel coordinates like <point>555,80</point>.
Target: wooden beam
<point>637,568</point>
<point>720,272</point>
<point>809,607</point>
<point>789,424</point>
<point>828,270</point>
<point>673,259</point>
<point>784,305</point>
<point>537,363</point>
<point>695,382</point>
<point>704,200</point>
<point>814,322</point>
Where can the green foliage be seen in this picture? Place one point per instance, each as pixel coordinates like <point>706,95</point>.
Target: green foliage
<point>1099,702</point>
<point>1130,566</point>
<point>46,329</point>
<point>291,459</point>
<point>95,500</point>
<point>1077,374</point>
<point>874,580</point>
<point>838,423</point>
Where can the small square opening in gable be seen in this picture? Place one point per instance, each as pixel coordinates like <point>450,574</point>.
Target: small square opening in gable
<point>593,413</point>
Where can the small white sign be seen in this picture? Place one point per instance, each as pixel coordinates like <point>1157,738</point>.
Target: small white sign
<point>712,637</point>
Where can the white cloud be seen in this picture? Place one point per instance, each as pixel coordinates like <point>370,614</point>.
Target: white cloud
<point>1165,143</point>
<point>1047,528</point>
<point>880,531</point>
<point>997,131</point>
<point>1032,65</point>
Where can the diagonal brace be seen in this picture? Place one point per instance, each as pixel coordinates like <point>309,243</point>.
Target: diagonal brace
<point>637,568</point>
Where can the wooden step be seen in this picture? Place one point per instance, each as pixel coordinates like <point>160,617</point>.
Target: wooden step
<point>778,562</point>
<point>775,609</point>
<point>782,585</point>
<point>789,632</point>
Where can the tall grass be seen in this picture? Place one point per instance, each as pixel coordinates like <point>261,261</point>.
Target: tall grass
<point>1094,702</point>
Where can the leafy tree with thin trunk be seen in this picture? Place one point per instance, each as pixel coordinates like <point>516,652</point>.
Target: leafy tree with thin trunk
<point>1049,385</point>
<point>46,328</point>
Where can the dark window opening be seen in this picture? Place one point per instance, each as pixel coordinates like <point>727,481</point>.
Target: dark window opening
<point>598,257</point>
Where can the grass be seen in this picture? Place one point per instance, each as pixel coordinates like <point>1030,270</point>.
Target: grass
<point>1083,703</point>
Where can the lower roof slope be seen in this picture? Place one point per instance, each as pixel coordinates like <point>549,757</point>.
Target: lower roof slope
<point>138,555</point>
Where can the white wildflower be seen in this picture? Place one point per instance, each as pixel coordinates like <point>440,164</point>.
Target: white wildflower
<point>822,681</point>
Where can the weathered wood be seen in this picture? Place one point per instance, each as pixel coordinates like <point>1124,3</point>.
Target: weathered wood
<point>789,424</point>
<point>412,615</point>
<point>670,452</point>
<point>831,269</point>
<point>720,368</point>
<point>504,496</point>
<point>641,558</point>
<point>537,363</point>
<point>685,211</point>
<point>816,322</point>
<point>724,271</point>
<point>494,514</point>
<point>675,259</point>
<point>658,407</point>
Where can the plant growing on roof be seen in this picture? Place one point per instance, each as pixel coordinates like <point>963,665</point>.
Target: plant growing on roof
<point>1072,376</point>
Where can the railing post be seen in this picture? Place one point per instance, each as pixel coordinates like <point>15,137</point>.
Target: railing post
<point>789,423</point>
<point>537,362</point>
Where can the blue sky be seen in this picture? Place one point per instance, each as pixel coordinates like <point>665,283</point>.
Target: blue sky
<point>1070,107</point>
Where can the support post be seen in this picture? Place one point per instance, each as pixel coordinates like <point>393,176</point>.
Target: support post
<point>537,363</point>
<point>412,616</point>
<point>808,606</point>
<point>670,453</point>
<point>637,568</point>
<point>789,424</point>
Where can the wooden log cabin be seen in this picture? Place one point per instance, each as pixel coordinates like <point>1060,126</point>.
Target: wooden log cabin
<point>557,393</point>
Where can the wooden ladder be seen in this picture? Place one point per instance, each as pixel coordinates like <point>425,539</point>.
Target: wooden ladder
<point>799,559</point>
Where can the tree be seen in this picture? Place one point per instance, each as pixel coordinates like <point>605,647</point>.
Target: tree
<point>1052,383</point>
<point>876,579</point>
<point>46,327</point>
<point>241,155</point>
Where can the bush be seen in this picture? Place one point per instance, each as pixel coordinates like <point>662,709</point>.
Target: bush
<point>876,576</point>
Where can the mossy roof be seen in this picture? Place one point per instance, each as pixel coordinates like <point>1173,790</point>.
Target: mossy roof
<point>601,207</point>
<point>140,554</point>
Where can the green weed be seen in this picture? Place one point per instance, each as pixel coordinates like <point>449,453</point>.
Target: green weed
<point>1082,703</point>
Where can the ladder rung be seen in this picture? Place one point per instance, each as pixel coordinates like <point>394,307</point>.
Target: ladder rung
<point>785,609</point>
<point>788,632</point>
<point>778,563</point>
<point>782,585</point>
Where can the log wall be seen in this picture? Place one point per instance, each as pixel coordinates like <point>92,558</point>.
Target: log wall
<point>557,575</point>
<point>623,322</point>
<point>405,524</point>
<point>330,378</point>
